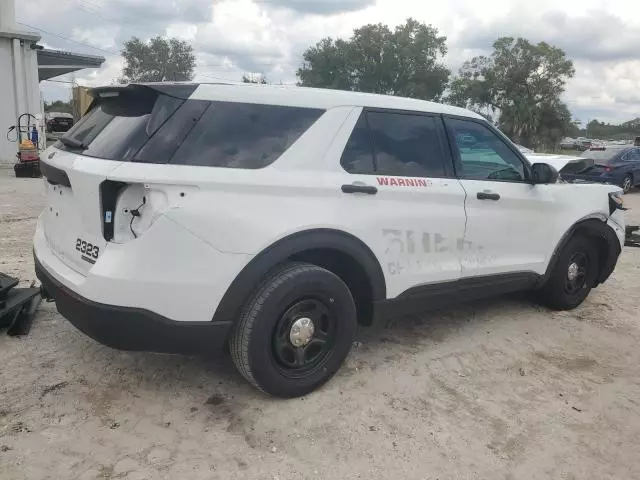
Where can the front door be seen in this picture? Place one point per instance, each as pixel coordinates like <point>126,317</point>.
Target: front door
<point>510,225</point>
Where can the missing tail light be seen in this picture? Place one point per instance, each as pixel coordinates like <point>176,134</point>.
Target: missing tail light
<point>109,191</point>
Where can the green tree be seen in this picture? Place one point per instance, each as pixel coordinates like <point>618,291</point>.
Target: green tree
<point>158,60</point>
<point>554,124</point>
<point>574,129</point>
<point>520,83</point>
<point>58,106</point>
<point>403,62</point>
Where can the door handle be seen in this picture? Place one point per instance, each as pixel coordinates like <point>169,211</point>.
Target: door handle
<point>488,196</point>
<point>352,188</point>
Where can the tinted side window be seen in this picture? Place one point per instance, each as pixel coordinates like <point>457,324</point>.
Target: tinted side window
<point>243,135</point>
<point>632,155</point>
<point>89,126</point>
<point>164,107</point>
<point>484,155</point>
<point>357,156</point>
<point>407,145</point>
<point>120,139</point>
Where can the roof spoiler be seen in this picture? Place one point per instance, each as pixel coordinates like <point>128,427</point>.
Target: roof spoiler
<point>176,90</point>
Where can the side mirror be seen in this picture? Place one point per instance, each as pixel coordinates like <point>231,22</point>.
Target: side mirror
<point>544,173</point>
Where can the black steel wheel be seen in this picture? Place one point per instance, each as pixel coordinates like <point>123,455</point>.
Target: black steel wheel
<point>304,337</point>
<point>577,270</point>
<point>573,275</point>
<point>295,331</point>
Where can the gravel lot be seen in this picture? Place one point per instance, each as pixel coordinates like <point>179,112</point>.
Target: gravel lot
<point>500,389</point>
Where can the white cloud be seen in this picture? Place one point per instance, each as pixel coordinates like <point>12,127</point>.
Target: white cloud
<point>102,37</point>
<point>608,92</point>
<point>268,36</point>
<point>320,7</point>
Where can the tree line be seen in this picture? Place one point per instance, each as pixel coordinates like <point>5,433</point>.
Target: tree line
<point>518,86</point>
<point>608,131</point>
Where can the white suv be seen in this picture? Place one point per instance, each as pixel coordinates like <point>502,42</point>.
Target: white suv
<point>182,218</point>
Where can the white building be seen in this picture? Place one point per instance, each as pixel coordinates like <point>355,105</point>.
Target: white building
<point>23,64</point>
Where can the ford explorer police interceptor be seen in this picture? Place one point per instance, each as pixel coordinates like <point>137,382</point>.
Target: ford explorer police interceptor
<point>183,218</point>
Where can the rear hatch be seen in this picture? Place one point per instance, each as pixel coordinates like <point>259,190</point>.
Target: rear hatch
<point>71,218</point>
<point>80,201</point>
<point>101,188</point>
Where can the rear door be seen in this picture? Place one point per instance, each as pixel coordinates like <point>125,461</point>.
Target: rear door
<point>401,197</point>
<point>510,225</point>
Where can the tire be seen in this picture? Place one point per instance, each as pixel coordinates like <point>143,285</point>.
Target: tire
<point>263,346</point>
<point>627,183</point>
<point>560,292</point>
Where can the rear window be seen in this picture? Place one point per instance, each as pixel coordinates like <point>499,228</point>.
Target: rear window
<point>119,124</point>
<point>144,125</point>
<point>602,157</point>
<point>243,135</point>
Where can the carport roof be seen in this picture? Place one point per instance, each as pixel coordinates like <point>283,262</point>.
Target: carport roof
<point>52,63</point>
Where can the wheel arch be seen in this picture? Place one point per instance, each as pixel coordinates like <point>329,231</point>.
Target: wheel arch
<point>339,252</point>
<point>607,243</point>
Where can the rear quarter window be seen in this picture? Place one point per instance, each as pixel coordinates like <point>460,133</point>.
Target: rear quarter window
<point>243,135</point>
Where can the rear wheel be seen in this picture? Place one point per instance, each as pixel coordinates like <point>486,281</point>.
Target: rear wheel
<point>627,183</point>
<point>295,331</point>
<point>573,276</point>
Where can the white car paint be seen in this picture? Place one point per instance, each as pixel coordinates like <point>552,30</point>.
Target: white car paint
<point>557,161</point>
<point>200,226</point>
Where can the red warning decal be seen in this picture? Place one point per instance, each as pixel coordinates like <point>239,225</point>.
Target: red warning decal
<point>404,182</point>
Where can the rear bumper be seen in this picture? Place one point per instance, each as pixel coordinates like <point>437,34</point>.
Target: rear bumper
<point>167,271</point>
<point>126,328</point>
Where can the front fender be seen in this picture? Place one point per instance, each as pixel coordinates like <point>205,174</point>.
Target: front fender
<point>608,246</point>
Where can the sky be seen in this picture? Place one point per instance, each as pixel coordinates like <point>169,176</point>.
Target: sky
<point>232,37</point>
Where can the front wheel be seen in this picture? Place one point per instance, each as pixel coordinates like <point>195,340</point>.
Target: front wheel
<point>627,183</point>
<point>295,331</point>
<point>573,275</point>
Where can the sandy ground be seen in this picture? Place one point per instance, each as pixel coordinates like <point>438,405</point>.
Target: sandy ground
<point>500,389</point>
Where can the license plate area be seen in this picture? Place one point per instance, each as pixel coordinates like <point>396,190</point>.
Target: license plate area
<point>64,231</point>
<point>88,251</point>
